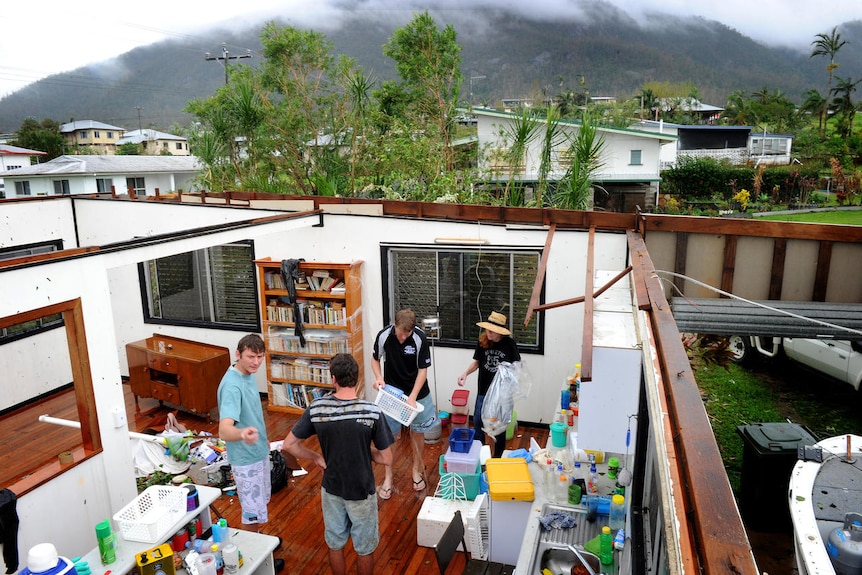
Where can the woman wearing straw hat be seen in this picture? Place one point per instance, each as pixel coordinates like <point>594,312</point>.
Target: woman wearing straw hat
<point>495,345</point>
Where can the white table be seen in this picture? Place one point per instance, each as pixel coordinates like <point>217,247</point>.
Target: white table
<point>256,548</point>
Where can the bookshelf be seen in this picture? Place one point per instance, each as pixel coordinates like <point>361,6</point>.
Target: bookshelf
<point>330,303</point>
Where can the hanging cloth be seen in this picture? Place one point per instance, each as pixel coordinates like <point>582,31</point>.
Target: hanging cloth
<point>9,529</point>
<point>290,274</point>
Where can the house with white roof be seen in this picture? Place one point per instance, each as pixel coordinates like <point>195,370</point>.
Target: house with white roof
<point>133,175</point>
<point>12,158</point>
<point>91,137</point>
<point>630,159</point>
<point>156,143</point>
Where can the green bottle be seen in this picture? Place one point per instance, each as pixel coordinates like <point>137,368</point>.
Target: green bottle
<point>107,542</point>
<point>606,546</point>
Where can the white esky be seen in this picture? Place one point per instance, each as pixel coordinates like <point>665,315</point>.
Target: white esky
<point>40,39</point>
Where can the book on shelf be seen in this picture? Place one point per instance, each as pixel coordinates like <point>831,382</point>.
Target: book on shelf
<point>320,273</point>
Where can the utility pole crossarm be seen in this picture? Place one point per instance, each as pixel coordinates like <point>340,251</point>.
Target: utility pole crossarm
<point>225,58</point>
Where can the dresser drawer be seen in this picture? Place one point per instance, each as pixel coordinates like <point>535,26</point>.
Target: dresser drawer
<point>162,363</point>
<point>165,392</point>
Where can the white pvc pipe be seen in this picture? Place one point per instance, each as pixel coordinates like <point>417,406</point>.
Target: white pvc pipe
<point>69,423</point>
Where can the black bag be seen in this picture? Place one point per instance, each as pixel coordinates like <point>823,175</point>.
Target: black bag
<point>278,470</point>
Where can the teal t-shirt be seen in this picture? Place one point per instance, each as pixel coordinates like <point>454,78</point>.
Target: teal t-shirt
<point>239,399</point>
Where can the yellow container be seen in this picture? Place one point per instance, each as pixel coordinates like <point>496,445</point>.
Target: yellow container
<point>509,480</point>
<point>156,561</point>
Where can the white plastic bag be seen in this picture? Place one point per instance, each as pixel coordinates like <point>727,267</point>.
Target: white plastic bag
<point>500,399</point>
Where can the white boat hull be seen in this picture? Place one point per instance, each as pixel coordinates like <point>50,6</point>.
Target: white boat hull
<point>811,526</point>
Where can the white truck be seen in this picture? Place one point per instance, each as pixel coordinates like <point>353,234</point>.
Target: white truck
<point>839,359</point>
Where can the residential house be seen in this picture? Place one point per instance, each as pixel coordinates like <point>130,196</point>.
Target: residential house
<point>680,495</point>
<point>156,143</point>
<point>12,158</point>
<point>735,144</point>
<point>628,175</point>
<point>138,175</point>
<point>91,137</point>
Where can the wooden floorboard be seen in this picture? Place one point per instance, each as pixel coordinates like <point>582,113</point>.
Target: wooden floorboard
<point>295,510</point>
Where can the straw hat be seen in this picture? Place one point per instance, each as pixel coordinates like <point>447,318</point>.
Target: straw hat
<point>496,323</point>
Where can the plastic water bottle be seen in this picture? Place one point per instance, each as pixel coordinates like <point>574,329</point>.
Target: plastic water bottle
<point>594,478</point>
<point>606,546</point>
<point>230,555</point>
<point>565,398</point>
<point>562,488</point>
<point>617,514</point>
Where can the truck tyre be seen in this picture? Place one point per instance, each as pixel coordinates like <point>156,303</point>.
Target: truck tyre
<point>740,348</point>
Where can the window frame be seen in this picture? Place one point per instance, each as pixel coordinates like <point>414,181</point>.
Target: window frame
<point>22,188</point>
<point>40,324</point>
<point>101,187</point>
<point>636,157</point>
<point>61,187</point>
<point>206,292</point>
<point>139,185</point>
<point>467,338</point>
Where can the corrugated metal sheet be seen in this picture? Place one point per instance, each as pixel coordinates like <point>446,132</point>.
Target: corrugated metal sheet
<point>735,317</point>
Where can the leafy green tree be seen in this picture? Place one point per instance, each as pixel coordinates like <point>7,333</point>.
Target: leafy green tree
<point>41,136</point>
<point>428,61</point>
<point>130,149</point>
<point>828,45</point>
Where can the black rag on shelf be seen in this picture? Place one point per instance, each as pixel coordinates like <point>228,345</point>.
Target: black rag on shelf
<point>9,529</point>
<point>290,274</point>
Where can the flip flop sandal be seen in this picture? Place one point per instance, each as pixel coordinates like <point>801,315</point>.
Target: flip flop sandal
<point>384,492</point>
<point>420,485</point>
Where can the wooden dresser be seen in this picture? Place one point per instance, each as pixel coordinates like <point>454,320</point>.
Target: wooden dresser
<point>177,371</point>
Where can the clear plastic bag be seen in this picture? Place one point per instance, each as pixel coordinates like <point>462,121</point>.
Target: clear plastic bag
<point>500,399</point>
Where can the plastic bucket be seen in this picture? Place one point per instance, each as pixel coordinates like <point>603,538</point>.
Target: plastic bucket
<point>558,434</point>
<point>444,418</point>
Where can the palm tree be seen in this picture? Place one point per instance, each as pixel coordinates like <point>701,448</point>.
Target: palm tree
<point>815,103</point>
<point>828,45</point>
<point>843,105</point>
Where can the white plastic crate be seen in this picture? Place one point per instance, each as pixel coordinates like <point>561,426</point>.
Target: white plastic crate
<point>397,408</point>
<point>151,516</point>
<point>477,528</point>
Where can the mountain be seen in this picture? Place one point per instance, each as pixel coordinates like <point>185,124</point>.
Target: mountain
<point>507,56</point>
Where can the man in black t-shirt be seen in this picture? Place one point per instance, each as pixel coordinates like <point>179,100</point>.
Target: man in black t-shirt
<point>346,428</point>
<point>406,354</point>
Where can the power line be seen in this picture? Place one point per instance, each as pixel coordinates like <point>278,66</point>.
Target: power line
<point>225,58</point>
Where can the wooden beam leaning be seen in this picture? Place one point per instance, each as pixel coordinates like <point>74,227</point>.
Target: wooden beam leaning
<point>580,298</point>
<point>589,278</point>
<point>540,276</point>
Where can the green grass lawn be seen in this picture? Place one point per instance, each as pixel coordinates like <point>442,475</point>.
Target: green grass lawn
<point>845,217</point>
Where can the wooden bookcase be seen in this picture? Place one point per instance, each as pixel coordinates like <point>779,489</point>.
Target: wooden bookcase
<point>332,323</point>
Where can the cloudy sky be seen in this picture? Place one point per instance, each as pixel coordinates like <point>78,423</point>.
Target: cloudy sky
<point>37,40</point>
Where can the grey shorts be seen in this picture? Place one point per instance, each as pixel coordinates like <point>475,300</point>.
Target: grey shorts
<point>422,422</point>
<point>354,519</point>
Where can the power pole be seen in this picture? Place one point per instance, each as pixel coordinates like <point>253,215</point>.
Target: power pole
<point>140,125</point>
<point>225,58</point>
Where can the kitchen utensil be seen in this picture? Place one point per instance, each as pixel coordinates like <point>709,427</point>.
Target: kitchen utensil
<point>624,477</point>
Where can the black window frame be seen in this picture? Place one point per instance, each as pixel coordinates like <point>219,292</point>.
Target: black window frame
<point>211,299</point>
<point>104,185</point>
<point>465,333</point>
<point>22,188</point>
<point>138,185</point>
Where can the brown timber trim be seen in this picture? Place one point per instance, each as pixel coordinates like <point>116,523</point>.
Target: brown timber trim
<point>821,276</point>
<point>776,278</point>
<point>540,276</point>
<point>580,298</point>
<point>729,266</point>
<point>717,543</point>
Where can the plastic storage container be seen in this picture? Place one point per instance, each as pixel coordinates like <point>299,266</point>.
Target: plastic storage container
<point>458,462</point>
<point>471,480</point>
<point>768,457</point>
<point>461,439</point>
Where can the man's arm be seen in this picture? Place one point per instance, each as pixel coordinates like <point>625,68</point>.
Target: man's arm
<point>228,431</point>
<point>293,446</point>
<point>378,373</point>
<point>417,386</point>
<point>383,457</point>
